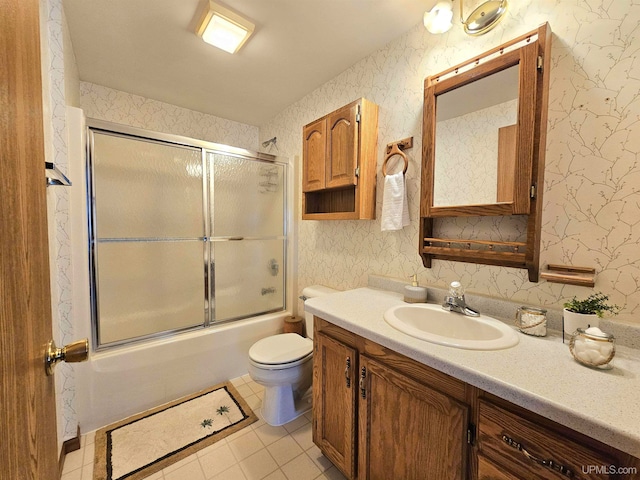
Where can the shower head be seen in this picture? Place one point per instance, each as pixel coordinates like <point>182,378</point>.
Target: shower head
<point>271,141</point>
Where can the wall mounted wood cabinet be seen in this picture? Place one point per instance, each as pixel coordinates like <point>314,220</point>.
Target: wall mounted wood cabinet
<point>484,141</point>
<point>339,164</point>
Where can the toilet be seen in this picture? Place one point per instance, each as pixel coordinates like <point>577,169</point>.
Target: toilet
<point>283,365</point>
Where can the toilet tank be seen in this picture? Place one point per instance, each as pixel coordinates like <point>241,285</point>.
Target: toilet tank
<point>312,292</point>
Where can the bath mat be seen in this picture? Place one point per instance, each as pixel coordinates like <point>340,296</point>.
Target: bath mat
<point>143,444</point>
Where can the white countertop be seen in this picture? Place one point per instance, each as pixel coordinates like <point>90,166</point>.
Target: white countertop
<point>538,374</point>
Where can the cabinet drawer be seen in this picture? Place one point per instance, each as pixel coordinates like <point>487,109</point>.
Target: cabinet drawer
<point>522,446</point>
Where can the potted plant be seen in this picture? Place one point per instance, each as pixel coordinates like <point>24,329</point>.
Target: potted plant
<point>586,313</point>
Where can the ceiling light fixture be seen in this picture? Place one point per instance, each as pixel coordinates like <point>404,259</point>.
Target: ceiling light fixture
<point>483,19</point>
<point>223,28</point>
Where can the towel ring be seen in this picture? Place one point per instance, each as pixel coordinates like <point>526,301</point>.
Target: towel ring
<point>395,151</point>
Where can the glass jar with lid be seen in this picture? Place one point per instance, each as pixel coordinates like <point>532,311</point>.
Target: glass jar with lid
<point>593,347</point>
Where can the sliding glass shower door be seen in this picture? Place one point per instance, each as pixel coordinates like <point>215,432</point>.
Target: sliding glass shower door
<point>181,236</point>
<point>248,242</point>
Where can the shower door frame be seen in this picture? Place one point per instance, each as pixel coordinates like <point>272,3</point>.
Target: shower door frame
<point>206,148</point>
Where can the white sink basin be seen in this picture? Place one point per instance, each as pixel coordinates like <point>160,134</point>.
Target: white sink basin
<point>433,324</point>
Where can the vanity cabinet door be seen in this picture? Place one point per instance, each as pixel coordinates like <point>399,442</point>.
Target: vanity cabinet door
<point>407,429</point>
<point>314,156</point>
<point>335,384</point>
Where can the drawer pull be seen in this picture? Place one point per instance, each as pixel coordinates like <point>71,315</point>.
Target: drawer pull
<point>347,372</point>
<point>545,463</point>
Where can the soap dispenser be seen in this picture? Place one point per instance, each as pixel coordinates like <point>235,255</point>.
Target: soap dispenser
<point>414,293</point>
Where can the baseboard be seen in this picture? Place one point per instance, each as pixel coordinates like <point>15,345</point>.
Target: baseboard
<point>68,446</point>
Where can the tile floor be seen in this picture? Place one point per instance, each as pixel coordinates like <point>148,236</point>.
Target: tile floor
<point>256,452</point>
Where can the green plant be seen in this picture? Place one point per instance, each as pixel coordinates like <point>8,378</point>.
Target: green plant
<point>596,303</point>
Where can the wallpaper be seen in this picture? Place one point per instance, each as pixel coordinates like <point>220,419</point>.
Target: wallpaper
<point>53,59</point>
<point>591,213</point>
<point>115,106</point>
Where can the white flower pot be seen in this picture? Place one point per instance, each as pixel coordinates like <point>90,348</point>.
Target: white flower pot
<point>572,321</point>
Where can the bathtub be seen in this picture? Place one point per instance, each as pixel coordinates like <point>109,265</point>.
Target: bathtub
<point>114,384</point>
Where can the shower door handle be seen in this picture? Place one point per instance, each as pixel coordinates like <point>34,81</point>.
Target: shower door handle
<point>74,352</point>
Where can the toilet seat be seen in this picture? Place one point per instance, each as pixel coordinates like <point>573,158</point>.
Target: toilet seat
<point>281,351</point>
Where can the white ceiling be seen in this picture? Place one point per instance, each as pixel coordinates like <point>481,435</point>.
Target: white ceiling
<point>149,48</point>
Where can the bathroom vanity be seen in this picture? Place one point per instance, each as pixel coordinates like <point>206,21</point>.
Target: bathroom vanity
<point>387,405</point>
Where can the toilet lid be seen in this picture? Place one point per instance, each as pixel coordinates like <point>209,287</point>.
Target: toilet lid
<point>283,348</point>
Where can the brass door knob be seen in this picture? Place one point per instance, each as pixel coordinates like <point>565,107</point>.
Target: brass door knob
<point>74,352</point>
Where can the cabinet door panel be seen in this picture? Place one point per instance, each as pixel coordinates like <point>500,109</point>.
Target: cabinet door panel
<point>343,147</point>
<point>314,156</point>
<point>334,400</point>
<point>407,430</point>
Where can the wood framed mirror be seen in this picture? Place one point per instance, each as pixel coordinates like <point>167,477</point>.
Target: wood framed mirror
<point>484,138</point>
<point>479,135</point>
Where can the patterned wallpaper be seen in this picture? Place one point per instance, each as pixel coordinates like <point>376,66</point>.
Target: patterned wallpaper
<point>115,106</point>
<point>54,83</point>
<point>592,184</point>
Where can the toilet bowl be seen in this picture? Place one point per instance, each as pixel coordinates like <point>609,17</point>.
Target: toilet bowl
<point>283,365</point>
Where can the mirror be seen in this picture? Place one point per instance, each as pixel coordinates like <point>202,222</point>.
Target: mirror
<point>475,146</point>
<point>483,152</point>
<point>478,137</point>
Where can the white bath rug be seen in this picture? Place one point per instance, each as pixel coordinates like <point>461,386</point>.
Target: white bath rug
<point>143,444</point>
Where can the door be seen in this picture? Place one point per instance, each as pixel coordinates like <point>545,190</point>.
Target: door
<point>408,430</point>
<point>342,146</point>
<point>28,443</point>
<point>314,156</point>
<point>334,401</point>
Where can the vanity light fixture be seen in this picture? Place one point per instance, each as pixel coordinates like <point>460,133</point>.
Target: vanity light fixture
<point>483,19</point>
<point>223,28</point>
<point>438,20</point>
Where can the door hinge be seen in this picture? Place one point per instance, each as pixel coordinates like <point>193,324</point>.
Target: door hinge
<point>358,116</point>
<point>471,434</point>
<point>357,171</point>
<point>540,62</point>
<point>533,191</point>
<point>363,376</point>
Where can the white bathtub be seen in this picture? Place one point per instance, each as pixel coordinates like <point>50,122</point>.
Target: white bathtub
<point>118,383</point>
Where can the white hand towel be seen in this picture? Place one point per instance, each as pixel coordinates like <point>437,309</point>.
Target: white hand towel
<point>395,207</point>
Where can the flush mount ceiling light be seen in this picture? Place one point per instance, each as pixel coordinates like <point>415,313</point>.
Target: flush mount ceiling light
<point>223,28</point>
<point>484,18</point>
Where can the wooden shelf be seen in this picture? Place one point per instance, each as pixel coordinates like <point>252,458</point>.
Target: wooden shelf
<point>582,276</point>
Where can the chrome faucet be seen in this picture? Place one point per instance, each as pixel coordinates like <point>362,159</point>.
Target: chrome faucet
<point>455,302</point>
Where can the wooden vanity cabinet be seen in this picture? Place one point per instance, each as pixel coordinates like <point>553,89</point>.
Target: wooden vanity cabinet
<point>339,164</point>
<point>380,415</point>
